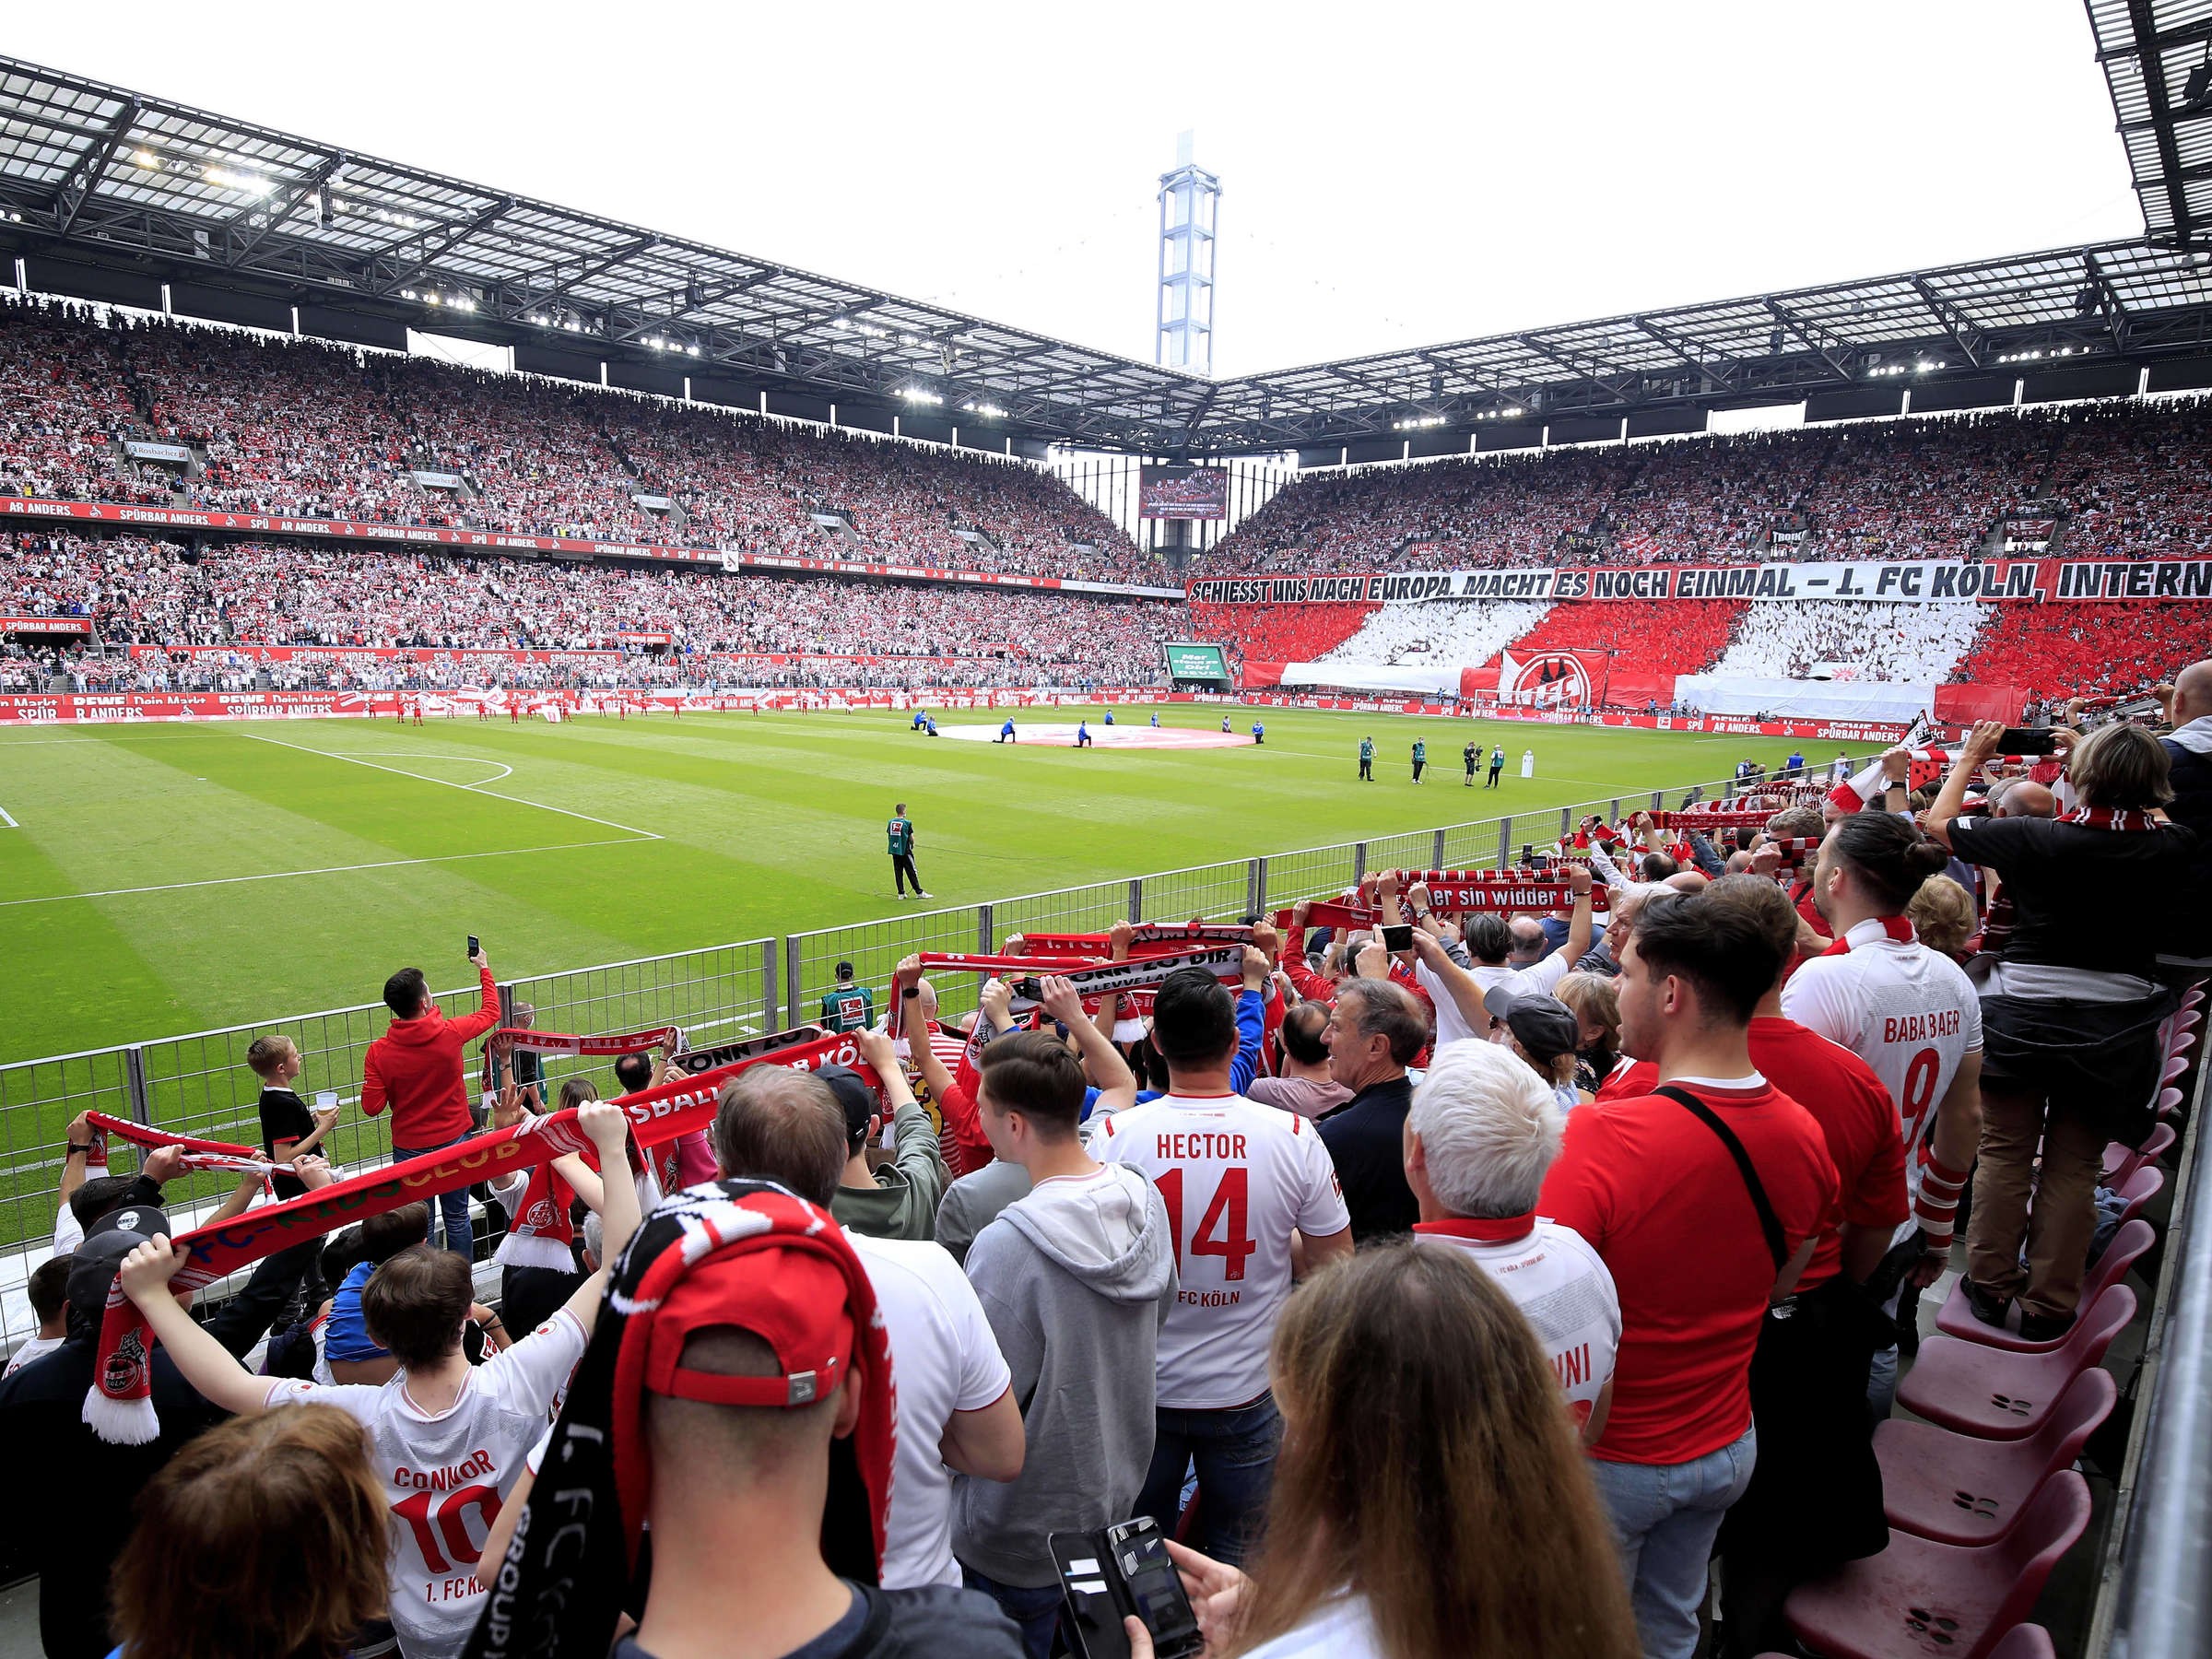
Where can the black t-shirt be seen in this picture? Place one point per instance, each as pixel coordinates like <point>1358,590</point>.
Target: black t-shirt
<point>284,1117</point>
<point>1366,1139</point>
<point>2106,900</point>
<point>903,1624</point>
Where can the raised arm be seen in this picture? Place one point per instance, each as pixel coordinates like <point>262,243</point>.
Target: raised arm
<point>211,1369</point>
<point>607,1126</point>
<point>1458,984</point>
<point>1110,1073</point>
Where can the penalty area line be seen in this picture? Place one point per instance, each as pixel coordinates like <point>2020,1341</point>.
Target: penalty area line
<point>388,863</point>
<point>400,772</point>
<point>6,822</point>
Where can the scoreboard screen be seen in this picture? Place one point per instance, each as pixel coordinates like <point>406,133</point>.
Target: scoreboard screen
<point>1183,492</point>
<point>1189,660</point>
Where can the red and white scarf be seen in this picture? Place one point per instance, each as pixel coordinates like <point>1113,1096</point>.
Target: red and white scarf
<point>1899,928</point>
<point>119,1408</point>
<point>198,1154</point>
<point>2128,820</point>
<point>555,1042</point>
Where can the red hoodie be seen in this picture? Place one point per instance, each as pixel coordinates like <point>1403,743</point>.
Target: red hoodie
<point>417,1068</point>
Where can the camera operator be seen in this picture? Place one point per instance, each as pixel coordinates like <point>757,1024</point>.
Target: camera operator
<point>2070,1016</point>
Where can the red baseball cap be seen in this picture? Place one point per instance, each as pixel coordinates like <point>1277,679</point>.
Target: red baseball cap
<point>795,1300</point>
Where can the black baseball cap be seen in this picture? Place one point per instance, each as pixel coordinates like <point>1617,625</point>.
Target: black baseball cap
<point>1544,1026</point>
<point>844,970</point>
<point>114,1236</point>
<point>854,1095</point>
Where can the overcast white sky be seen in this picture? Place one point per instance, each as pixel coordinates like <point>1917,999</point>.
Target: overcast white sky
<point>1394,175</point>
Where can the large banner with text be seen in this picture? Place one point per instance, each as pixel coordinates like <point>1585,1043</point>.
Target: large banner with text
<point>1903,582</point>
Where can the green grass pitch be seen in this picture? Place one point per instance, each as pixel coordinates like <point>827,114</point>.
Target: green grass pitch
<point>168,879</point>
<point>159,879</point>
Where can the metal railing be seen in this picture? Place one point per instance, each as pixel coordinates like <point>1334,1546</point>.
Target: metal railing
<point>2155,1601</point>
<point>200,1084</point>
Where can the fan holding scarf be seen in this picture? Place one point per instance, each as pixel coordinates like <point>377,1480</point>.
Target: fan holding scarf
<point>2070,1017</point>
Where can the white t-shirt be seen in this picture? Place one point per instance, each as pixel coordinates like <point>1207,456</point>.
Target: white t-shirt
<point>1538,979</point>
<point>1238,1179</point>
<point>1908,1012</point>
<point>447,1474</point>
<point>36,1347</point>
<point>947,1361</point>
<point>1563,1289</point>
<point>1336,1629</point>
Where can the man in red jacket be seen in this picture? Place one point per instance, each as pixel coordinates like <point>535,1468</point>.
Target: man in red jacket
<point>415,1068</point>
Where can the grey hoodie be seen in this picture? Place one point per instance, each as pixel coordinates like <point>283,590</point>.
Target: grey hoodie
<point>1076,1279</point>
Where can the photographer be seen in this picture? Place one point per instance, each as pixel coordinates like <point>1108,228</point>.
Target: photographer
<point>2070,1016</point>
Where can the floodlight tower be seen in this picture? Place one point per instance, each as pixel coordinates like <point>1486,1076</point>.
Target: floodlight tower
<point>1183,335</point>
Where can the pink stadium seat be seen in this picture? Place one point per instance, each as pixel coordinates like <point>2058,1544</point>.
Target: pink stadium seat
<point>2140,1189</point>
<point>1956,1317</point>
<point>2121,1162</point>
<point>2170,1101</point>
<point>1919,1596</point>
<point>1957,1489</point>
<point>1983,1391</point>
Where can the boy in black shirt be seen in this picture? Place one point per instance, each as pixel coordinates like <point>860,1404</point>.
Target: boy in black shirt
<point>288,1128</point>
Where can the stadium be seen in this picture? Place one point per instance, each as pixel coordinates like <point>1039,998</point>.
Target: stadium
<point>400,569</point>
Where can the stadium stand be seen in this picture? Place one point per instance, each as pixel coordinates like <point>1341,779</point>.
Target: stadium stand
<point>2121,480</point>
<point>1875,641</point>
<point>1445,632</point>
<point>245,594</point>
<point>307,428</point>
<point>1279,633</point>
<point>2088,649</point>
<point>1681,639</point>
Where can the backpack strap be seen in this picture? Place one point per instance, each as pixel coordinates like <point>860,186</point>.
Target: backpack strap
<point>1768,1222</point>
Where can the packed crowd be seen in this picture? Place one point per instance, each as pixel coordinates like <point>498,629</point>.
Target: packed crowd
<point>1443,633</point>
<point>2121,480</point>
<point>1678,637</point>
<point>309,428</point>
<point>1851,639</point>
<point>2089,649</point>
<point>1488,1289</point>
<point>248,594</point>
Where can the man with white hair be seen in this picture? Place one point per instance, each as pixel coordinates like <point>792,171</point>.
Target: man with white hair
<point>1482,1132</point>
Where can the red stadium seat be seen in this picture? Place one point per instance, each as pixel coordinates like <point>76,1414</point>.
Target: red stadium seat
<point>2122,1161</point>
<point>1976,1389</point>
<point>2137,1191</point>
<point>1958,1490</point>
<point>1919,1596</point>
<point>1957,1318</point>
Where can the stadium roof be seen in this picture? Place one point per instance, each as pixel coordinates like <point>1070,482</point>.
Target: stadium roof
<point>103,188</point>
<point>2157,57</point>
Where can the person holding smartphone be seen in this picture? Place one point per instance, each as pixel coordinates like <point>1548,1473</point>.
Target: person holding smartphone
<point>417,1070</point>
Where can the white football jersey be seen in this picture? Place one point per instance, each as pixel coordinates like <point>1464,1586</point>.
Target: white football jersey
<point>447,1475</point>
<point>1908,1011</point>
<point>1566,1292</point>
<point>1238,1179</point>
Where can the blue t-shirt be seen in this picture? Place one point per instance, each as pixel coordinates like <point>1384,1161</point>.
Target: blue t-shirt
<point>346,1337</point>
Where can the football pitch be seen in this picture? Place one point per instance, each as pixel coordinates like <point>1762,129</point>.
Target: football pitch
<point>157,879</point>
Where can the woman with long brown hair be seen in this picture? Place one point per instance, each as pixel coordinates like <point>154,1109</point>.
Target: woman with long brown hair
<point>1430,1500</point>
<point>264,1539</point>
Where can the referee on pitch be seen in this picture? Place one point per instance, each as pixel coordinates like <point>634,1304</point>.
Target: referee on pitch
<point>901,831</point>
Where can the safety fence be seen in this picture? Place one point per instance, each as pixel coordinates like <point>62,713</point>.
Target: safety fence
<point>200,1084</point>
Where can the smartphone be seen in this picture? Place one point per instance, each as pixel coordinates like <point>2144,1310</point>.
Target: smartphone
<point>1122,1569</point>
<point>472,946</point>
<point>1397,935</point>
<point>2019,740</point>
